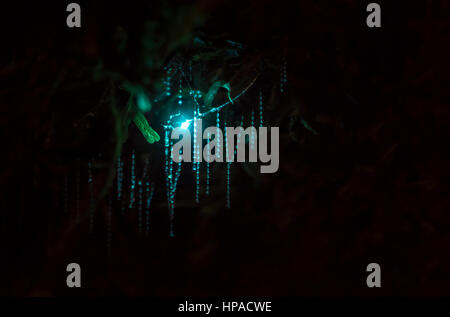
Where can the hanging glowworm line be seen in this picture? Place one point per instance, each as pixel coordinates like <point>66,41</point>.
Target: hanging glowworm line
<point>218,134</point>
<point>119,178</point>
<point>194,166</point>
<point>171,202</point>
<point>281,80</point>
<point>133,180</point>
<point>252,136</point>
<point>261,123</point>
<point>227,158</point>
<point>145,170</point>
<point>174,189</point>
<point>91,198</point>
<point>283,75</point>
<point>241,124</point>
<point>171,180</point>
<point>171,173</point>
<point>199,154</point>
<point>207,164</point>
<point>180,97</point>
<point>122,195</point>
<point>167,81</point>
<point>197,149</point>
<point>168,172</point>
<point>140,206</point>
<point>177,176</point>
<point>166,165</point>
<point>149,192</point>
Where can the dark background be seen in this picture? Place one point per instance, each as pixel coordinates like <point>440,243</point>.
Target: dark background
<point>372,186</point>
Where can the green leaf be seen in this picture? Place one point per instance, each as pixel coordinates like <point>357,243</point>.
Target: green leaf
<point>149,134</point>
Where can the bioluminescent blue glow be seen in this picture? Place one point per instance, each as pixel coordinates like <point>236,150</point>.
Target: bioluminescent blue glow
<point>140,206</point>
<point>167,81</point>
<point>207,190</point>
<point>171,165</point>
<point>197,154</point>
<point>197,182</point>
<point>194,166</point>
<point>218,133</point>
<point>252,135</point>
<point>241,124</point>
<point>169,180</point>
<point>185,125</point>
<point>285,71</point>
<point>283,74</point>
<point>180,91</point>
<point>120,178</point>
<point>196,94</point>
<point>166,166</point>
<point>261,122</point>
<point>228,195</point>
<point>175,180</point>
<point>133,180</point>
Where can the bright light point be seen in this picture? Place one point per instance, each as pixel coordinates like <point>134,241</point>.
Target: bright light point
<point>186,124</point>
